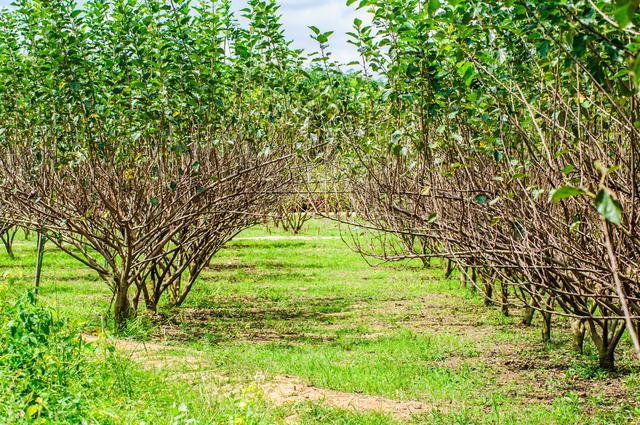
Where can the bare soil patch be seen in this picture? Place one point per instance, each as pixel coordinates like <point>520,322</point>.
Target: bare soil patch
<point>284,390</point>
<point>150,354</point>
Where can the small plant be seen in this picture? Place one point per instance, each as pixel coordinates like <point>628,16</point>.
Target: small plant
<point>588,371</point>
<point>40,365</point>
<point>48,373</point>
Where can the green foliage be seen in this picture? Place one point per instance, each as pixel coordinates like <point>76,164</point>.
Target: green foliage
<point>45,372</point>
<point>608,207</point>
<point>471,110</point>
<point>625,11</point>
<point>565,192</point>
<point>122,75</point>
<point>49,375</point>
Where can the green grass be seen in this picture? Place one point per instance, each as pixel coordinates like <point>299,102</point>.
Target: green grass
<point>316,311</point>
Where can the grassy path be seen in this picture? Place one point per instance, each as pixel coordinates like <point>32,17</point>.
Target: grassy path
<point>281,390</point>
<point>309,333</point>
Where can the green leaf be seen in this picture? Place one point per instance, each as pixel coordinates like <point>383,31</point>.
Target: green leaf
<point>543,48</point>
<point>481,199</point>
<point>568,169</point>
<point>635,70</point>
<point>434,5</point>
<point>580,44</point>
<point>608,207</point>
<point>624,11</point>
<point>564,192</point>
<point>154,201</point>
<point>324,37</point>
<point>467,72</point>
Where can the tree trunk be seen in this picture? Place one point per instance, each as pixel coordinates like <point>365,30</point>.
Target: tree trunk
<point>8,247</point>
<point>546,327</point>
<point>193,275</point>
<point>152,304</point>
<point>527,319</point>
<point>578,329</point>
<point>488,294</point>
<point>505,298</point>
<point>463,277</point>
<point>39,258</point>
<point>607,340</point>
<point>449,270</point>
<point>122,310</point>
<point>606,358</point>
<point>474,280</point>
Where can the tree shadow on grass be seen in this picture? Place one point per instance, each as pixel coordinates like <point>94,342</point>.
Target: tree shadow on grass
<point>253,319</point>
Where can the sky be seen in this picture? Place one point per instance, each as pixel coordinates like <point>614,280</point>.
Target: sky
<point>297,15</point>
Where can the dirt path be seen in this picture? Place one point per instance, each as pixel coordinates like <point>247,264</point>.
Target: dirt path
<point>280,389</point>
<point>287,389</point>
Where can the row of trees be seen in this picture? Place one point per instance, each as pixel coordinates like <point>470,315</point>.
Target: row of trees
<point>504,137</point>
<point>143,135</point>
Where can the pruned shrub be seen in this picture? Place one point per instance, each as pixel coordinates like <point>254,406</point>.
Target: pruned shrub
<point>144,136</point>
<point>503,139</point>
